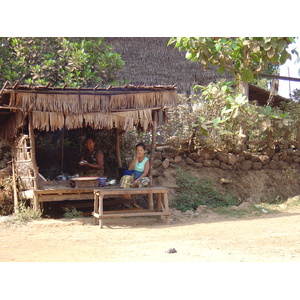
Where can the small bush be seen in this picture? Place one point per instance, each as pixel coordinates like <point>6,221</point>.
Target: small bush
<point>26,213</point>
<point>6,196</point>
<point>194,192</point>
<point>72,213</point>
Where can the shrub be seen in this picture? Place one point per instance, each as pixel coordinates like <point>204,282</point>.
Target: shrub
<point>26,213</point>
<point>72,213</point>
<point>194,192</point>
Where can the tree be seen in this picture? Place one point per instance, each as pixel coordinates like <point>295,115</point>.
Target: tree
<point>245,57</point>
<point>58,61</point>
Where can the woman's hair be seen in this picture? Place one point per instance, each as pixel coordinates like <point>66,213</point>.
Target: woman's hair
<point>141,145</point>
<point>89,138</point>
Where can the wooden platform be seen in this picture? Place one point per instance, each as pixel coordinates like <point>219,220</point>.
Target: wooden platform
<point>162,208</point>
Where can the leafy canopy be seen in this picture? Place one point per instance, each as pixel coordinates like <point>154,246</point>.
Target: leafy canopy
<point>59,61</point>
<point>244,56</point>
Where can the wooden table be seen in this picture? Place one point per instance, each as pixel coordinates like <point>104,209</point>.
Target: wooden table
<point>161,210</point>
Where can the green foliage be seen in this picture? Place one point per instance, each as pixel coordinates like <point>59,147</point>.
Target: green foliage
<point>245,57</point>
<point>72,213</point>
<point>71,61</point>
<point>26,213</point>
<point>223,119</point>
<point>6,194</point>
<point>194,192</point>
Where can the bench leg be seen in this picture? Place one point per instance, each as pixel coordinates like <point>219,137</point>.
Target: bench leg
<point>96,205</point>
<point>166,205</point>
<point>159,208</point>
<point>150,201</point>
<point>101,211</point>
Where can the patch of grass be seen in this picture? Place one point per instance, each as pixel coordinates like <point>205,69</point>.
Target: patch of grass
<point>26,213</point>
<point>253,210</point>
<point>194,192</point>
<point>72,213</point>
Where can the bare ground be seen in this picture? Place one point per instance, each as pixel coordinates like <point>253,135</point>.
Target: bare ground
<point>207,237</point>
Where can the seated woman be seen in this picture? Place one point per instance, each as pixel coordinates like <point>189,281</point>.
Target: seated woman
<point>140,166</point>
<point>92,159</point>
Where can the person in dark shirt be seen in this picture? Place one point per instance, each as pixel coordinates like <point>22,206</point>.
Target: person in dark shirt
<point>92,159</point>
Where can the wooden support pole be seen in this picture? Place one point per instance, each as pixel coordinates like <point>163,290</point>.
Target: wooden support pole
<point>34,165</point>
<point>16,200</point>
<point>153,145</point>
<point>118,153</point>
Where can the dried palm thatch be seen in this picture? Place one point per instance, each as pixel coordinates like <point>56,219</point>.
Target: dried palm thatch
<point>56,108</point>
<point>148,60</point>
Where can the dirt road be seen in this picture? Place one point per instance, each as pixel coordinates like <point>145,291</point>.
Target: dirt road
<point>205,238</point>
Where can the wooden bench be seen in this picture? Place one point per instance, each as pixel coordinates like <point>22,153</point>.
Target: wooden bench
<point>161,210</point>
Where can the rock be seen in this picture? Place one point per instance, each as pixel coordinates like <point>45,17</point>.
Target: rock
<point>296,159</point>
<point>297,152</point>
<point>189,212</point>
<point>199,159</point>
<point>158,155</point>
<point>244,205</point>
<point>207,154</point>
<point>246,165</point>
<point>166,163</point>
<point>155,173</point>
<point>215,163</point>
<point>255,158</point>
<point>222,157</point>
<point>169,152</point>
<point>207,163</point>
<point>201,208</point>
<point>189,161</point>
<point>269,152</point>
<point>265,159</point>
<point>232,159</point>
<point>175,212</point>
<point>157,163</point>
<point>240,158</point>
<point>224,166</point>
<point>177,159</point>
<point>257,165</point>
<point>198,165</point>
<point>247,155</point>
<point>193,156</point>
<point>273,165</point>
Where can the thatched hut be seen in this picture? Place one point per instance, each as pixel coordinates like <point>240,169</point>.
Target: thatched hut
<point>148,60</point>
<point>24,109</point>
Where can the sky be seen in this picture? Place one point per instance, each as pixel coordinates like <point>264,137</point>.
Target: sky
<point>290,69</point>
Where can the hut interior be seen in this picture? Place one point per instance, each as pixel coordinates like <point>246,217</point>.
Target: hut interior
<point>28,113</point>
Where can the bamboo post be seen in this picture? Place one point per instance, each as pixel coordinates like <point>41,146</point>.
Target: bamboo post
<point>62,150</point>
<point>36,205</point>
<point>118,154</point>
<point>153,145</point>
<point>16,200</point>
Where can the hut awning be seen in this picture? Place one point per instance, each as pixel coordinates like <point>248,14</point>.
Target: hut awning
<point>56,108</point>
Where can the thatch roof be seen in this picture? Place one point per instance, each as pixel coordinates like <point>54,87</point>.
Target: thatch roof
<point>262,96</point>
<point>56,108</point>
<point>148,60</point>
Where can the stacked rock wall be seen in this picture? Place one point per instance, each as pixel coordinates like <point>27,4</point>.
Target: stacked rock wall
<point>166,157</point>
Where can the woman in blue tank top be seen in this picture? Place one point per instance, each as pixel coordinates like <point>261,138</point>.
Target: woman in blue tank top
<point>140,166</point>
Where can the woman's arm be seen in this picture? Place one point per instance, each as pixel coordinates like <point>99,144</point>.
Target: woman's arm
<point>132,164</point>
<point>99,160</point>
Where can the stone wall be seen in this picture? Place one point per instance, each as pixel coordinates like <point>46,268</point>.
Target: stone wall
<point>168,157</point>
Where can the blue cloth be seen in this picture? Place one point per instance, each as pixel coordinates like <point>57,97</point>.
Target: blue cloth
<point>137,174</point>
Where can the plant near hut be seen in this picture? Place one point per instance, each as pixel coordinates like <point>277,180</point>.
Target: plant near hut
<point>26,213</point>
<point>245,57</point>
<point>194,192</point>
<point>72,213</point>
<point>58,61</point>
